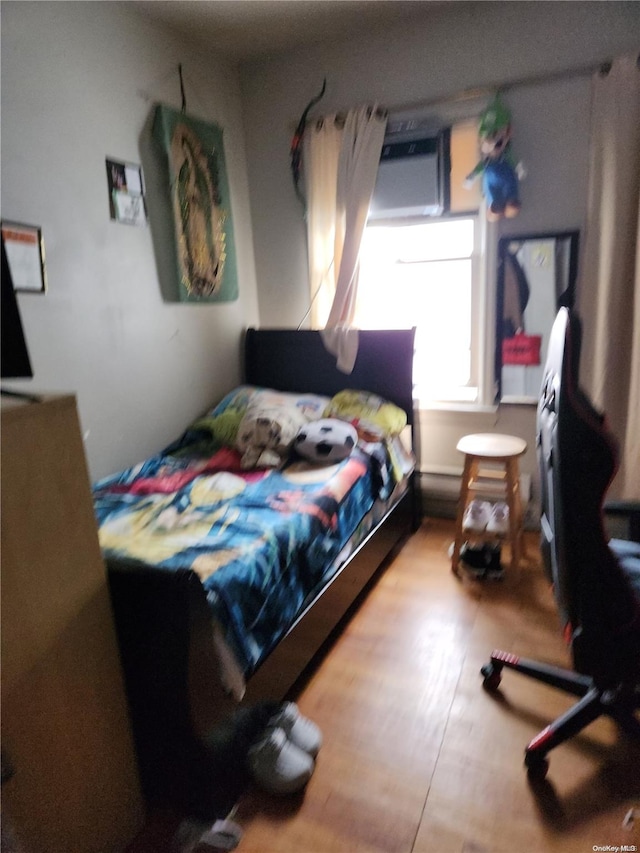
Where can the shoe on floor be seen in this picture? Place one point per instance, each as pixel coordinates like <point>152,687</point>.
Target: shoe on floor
<point>192,836</point>
<point>301,731</point>
<point>476,516</point>
<point>482,561</point>
<point>494,573</point>
<point>485,574</point>
<point>277,765</point>
<point>499,519</point>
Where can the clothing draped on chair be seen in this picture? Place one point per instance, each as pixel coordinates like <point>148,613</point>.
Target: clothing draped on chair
<point>342,154</point>
<point>609,293</point>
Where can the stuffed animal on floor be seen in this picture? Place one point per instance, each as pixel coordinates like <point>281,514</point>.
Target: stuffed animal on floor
<point>499,171</point>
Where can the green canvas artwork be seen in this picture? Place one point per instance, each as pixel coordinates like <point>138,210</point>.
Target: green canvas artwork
<point>203,226</point>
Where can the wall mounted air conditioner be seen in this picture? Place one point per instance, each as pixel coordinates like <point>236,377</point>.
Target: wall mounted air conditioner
<point>413,178</point>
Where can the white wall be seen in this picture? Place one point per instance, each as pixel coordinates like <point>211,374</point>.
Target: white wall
<point>458,47</point>
<point>73,78</point>
<point>79,81</point>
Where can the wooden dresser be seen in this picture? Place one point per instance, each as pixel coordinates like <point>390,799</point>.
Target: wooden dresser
<point>65,725</point>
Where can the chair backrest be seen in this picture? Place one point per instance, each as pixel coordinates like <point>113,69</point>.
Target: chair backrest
<point>577,458</point>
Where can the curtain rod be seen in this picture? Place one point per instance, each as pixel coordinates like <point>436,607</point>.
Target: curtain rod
<point>488,90</point>
<point>604,67</point>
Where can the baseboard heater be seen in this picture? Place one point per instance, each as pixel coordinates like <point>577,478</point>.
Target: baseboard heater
<point>440,492</point>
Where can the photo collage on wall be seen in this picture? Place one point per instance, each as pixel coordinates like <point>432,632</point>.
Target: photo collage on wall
<point>126,193</point>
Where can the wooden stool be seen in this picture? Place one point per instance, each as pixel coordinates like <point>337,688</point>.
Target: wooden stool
<point>491,467</point>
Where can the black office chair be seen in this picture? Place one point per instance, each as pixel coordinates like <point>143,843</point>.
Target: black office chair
<point>596,581</point>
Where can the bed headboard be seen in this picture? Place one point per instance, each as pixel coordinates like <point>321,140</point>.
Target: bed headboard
<point>296,360</point>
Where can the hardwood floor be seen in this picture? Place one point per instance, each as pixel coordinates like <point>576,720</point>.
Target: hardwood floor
<point>417,757</point>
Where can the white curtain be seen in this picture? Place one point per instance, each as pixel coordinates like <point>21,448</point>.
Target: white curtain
<point>341,164</point>
<point>609,290</point>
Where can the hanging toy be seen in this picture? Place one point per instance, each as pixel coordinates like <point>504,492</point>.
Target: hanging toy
<point>499,171</point>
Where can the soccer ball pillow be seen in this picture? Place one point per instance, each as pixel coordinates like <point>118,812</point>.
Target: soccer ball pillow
<point>325,441</point>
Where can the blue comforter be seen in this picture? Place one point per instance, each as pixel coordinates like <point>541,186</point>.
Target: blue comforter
<point>261,542</point>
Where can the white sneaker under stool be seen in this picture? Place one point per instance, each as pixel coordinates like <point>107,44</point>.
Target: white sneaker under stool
<point>476,516</point>
<point>301,731</point>
<point>499,520</point>
<point>277,765</point>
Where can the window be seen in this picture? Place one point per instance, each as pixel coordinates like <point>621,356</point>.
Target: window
<point>429,274</point>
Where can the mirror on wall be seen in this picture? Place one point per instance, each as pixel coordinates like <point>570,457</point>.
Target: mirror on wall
<point>536,276</point>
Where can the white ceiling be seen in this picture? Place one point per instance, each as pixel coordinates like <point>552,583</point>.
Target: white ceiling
<point>243,30</point>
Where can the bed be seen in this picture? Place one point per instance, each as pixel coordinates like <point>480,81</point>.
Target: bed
<point>204,629</point>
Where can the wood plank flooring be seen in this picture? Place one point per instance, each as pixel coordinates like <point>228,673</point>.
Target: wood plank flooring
<point>417,757</point>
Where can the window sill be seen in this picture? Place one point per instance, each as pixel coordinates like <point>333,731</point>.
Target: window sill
<point>474,408</point>
<point>519,401</point>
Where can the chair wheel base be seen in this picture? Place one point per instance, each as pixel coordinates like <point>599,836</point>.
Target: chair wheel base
<point>537,766</point>
<point>492,676</point>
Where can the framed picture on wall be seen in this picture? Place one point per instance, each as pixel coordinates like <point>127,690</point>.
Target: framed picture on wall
<point>126,193</point>
<point>195,173</point>
<point>25,255</point>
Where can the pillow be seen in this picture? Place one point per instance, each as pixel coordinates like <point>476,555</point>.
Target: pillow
<point>311,406</point>
<point>236,400</point>
<point>222,429</point>
<point>219,427</point>
<point>372,416</point>
<point>325,441</point>
<point>270,424</point>
<point>216,429</point>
